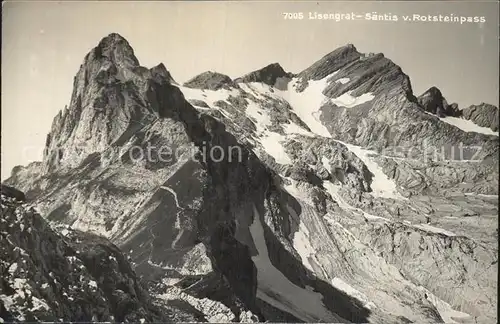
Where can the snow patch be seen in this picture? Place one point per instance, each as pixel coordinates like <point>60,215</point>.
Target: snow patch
<point>172,191</point>
<point>381,185</point>
<point>293,128</point>
<point>302,245</point>
<point>271,142</point>
<point>260,116</point>
<point>349,290</point>
<point>274,288</point>
<point>38,304</point>
<point>210,97</point>
<point>373,217</point>
<point>306,104</point>
<point>448,314</point>
<point>256,88</point>
<point>334,191</point>
<point>13,268</point>
<point>93,284</point>
<point>343,80</point>
<point>326,162</point>
<point>480,195</point>
<point>20,283</point>
<point>348,101</point>
<point>468,126</point>
<point>293,188</point>
<point>429,228</point>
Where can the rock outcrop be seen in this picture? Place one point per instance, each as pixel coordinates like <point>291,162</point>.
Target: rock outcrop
<point>67,276</point>
<point>485,115</point>
<point>210,81</point>
<point>112,99</point>
<point>268,75</point>
<point>433,102</point>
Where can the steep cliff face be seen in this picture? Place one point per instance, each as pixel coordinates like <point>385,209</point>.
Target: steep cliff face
<point>331,195</point>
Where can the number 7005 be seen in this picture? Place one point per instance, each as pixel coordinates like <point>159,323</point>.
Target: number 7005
<point>293,15</point>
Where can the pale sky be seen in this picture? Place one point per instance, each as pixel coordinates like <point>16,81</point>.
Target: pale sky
<point>43,45</point>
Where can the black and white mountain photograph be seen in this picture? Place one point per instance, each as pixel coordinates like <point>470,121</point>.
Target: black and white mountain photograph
<point>249,161</point>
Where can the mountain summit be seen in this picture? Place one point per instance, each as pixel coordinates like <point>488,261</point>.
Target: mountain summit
<point>268,75</point>
<point>433,101</point>
<point>113,97</point>
<point>331,195</point>
<point>116,49</point>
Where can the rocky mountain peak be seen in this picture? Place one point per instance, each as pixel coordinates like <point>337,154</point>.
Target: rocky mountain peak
<point>350,47</point>
<point>268,74</point>
<point>113,96</point>
<point>161,74</point>
<point>117,49</point>
<point>348,71</point>
<point>331,62</point>
<point>160,69</point>
<point>432,101</point>
<point>433,92</point>
<point>113,38</point>
<point>346,49</point>
<point>210,81</point>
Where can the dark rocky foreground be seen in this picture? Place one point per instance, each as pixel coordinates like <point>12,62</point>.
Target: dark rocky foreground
<point>66,275</point>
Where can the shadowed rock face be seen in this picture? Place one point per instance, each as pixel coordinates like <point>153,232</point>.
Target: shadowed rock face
<point>433,102</point>
<point>12,192</point>
<point>75,276</point>
<point>362,222</point>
